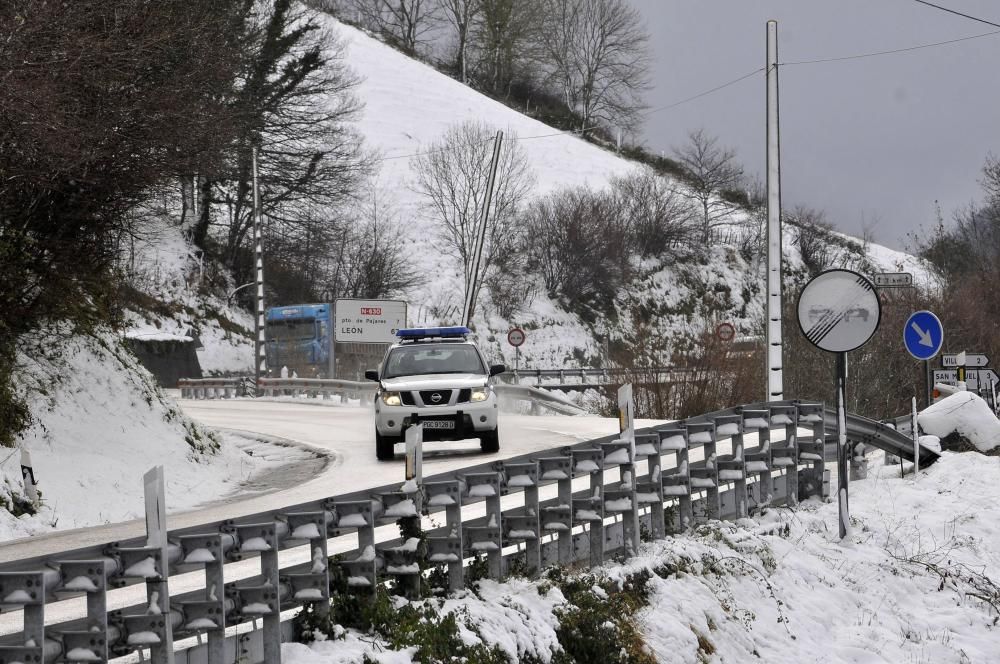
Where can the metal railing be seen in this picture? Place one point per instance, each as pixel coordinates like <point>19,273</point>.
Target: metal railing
<point>227,388</point>
<point>571,504</point>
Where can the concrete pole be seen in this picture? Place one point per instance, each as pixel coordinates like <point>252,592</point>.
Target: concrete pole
<point>472,278</point>
<point>775,389</point>
<point>260,359</point>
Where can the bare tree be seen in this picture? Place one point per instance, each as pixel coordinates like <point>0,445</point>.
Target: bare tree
<point>579,248</point>
<point>710,169</point>
<point>405,23</point>
<point>657,216</point>
<point>462,16</point>
<point>991,178</point>
<point>506,38</point>
<point>599,54</point>
<point>452,178</point>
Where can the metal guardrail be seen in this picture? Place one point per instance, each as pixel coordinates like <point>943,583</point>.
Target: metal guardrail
<point>538,399</point>
<point>597,377</point>
<point>717,465</point>
<point>227,388</point>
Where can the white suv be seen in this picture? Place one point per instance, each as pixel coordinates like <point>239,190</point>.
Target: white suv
<point>438,378</point>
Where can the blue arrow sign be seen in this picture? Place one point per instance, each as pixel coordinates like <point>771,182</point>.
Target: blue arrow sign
<point>923,335</point>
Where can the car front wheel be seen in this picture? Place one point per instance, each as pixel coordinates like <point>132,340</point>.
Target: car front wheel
<point>489,442</point>
<point>384,447</point>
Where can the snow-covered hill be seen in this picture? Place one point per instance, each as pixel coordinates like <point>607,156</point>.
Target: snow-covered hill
<point>409,106</point>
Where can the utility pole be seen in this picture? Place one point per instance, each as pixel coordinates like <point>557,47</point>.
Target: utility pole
<point>775,389</point>
<point>260,357</point>
<point>472,277</point>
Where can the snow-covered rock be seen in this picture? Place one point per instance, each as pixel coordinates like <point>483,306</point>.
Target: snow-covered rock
<point>964,413</point>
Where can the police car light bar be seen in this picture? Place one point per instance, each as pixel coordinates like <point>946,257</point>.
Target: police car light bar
<point>412,334</point>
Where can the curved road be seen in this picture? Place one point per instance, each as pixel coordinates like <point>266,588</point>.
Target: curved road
<point>347,434</point>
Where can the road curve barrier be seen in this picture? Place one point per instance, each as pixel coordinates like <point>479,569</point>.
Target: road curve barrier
<point>553,506</point>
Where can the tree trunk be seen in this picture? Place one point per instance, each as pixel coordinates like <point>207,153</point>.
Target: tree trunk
<point>199,233</point>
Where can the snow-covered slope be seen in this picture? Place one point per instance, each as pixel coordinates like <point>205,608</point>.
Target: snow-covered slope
<point>409,106</point>
<point>100,422</point>
<point>167,268</point>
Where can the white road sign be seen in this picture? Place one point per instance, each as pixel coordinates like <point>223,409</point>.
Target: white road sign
<point>369,321</point>
<point>974,378</point>
<point>971,360</point>
<point>839,311</point>
<point>893,279</point>
<point>987,376</point>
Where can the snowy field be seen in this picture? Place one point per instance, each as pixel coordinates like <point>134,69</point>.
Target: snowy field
<point>901,588</point>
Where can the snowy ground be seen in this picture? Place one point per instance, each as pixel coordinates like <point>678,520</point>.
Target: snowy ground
<point>750,591</point>
<point>103,425</point>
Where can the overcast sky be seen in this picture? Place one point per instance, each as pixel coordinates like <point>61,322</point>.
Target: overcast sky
<point>872,138</point>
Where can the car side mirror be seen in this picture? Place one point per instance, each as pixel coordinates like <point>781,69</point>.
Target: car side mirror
<point>371,374</point>
<point>497,369</point>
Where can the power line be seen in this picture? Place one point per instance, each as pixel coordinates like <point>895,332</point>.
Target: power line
<point>705,93</point>
<point>957,13</point>
<point>889,52</point>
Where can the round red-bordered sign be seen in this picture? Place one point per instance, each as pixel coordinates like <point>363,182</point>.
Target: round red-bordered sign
<point>725,331</point>
<point>515,337</point>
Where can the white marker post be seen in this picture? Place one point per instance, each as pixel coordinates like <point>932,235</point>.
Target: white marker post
<point>153,485</point>
<point>626,424</point>
<point>415,453</point>
<point>28,473</point>
<point>916,439</point>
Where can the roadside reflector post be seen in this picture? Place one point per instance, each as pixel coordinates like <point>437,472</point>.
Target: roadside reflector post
<point>154,490</point>
<point>916,438</point>
<point>415,453</point>
<point>28,473</point>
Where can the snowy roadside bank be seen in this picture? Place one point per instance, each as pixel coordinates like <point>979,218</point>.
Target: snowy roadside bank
<point>100,423</point>
<point>912,583</point>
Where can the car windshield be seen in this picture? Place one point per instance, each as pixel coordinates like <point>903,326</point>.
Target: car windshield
<point>418,360</point>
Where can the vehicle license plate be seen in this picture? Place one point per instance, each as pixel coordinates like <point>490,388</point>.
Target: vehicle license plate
<point>438,424</point>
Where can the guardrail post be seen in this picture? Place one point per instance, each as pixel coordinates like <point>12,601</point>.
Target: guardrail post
<point>732,467</point>
<point>649,490</point>
<point>90,577</point>
<point>359,515</point>
<point>590,510</point>
<point>313,585</point>
<point>27,589</point>
<point>811,453</point>
<point>676,482</point>
<point>785,456</point>
<point>525,527</point>
<point>447,550</point>
<point>704,474</point>
<point>558,518</point>
<point>487,539</point>
<point>208,613</point>
<point>758,462</point>
<point>263,600</point>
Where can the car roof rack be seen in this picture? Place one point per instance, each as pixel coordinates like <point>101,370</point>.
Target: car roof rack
<point>425,333</point>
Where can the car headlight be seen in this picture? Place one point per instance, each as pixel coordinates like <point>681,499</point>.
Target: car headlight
<point>391,399</point>
<point>480,394</point>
